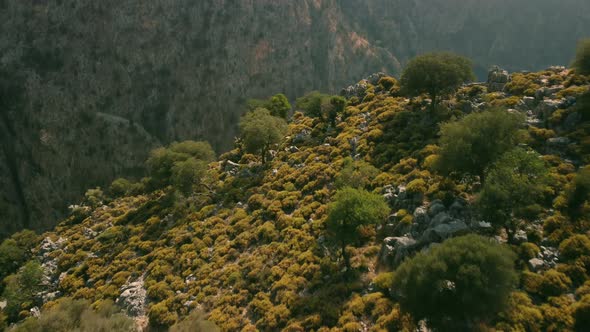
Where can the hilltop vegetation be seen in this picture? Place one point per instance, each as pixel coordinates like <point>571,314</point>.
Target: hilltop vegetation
<point>88,88</point>
<point>375,212</point>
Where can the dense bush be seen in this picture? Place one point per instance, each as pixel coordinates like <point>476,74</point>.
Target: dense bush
<point>356,174</point>
<point>460,283</point>
<point>21,289</point>
<point>182,164</point>
<point>578,194</point>
<point>14,251</point>
<point>575,247</point>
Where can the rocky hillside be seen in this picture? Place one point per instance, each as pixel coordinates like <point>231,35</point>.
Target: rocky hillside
<point>100,84</point>
<point>252,249</point>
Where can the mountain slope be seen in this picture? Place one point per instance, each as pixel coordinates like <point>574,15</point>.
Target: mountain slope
<point>252,251</point>
<point>103,83</point>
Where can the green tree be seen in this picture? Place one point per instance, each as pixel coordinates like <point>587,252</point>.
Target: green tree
<point>351,210</point>
<point>15,251</point>
<point>337,106</point>
<point>167,165</point>
<point>437,74</point>
<point>188,174</point>
<point>582,60</point>
<point>201,150</point>
<point>515,181</point>
<point>470,145</point>
<point>260,131</point>
<point>21,289</point>
<point>278,105</point>
<point>320,105</point>
<point>311,104</point>
<point>355,174</point>
<point>94,197</point>
<point>457,284</point>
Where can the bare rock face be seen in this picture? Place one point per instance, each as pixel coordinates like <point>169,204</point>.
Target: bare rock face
<point>101,84</point>
<point>133,298</point>
<point>497,79</point>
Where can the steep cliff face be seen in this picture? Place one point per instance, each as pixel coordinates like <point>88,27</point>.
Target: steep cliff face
<point>103,82</point>
<point>516,34</point>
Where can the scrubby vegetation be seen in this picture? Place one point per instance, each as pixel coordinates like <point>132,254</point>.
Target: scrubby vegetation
<point>373,212</point>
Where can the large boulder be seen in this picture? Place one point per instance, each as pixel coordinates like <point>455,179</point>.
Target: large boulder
<point>546,108</point>
<point>133,298</point>
<point>439,219</point>
<point>436,207</point>
<point>395,249</point>
<point>421,215</point>
<point>536,264</point>
<point>497,79</point>
<point>442,232</point>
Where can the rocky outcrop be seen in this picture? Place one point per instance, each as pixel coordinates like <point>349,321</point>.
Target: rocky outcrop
<point>49,264</point>
<point>432,223</point>
<point>133,298</point>
<point>497,79</point>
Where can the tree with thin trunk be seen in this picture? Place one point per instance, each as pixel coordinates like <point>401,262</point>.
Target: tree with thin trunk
<point>260,130</point>
<point>436,74</point>
<point>471,144</point>
<point>351,210</point>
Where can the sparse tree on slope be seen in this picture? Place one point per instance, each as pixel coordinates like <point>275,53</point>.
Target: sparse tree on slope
<point>470,145</point>
<point>437,74</point>
<point>351,210</point>
<point>457,284</point>
<point>260,130</point>
<point>515,181</point>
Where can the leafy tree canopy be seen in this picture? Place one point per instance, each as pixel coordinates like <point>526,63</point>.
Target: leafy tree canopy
<point>470,145</point>
<point>21,289</point>
<point>456,284</point>
<point>351,210</point>
<point>320,105</point>
<point>516,180</point>
<point>278,105</point>
<point>259,130</point>
<point>169,165</point>
<point>436,74</point>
